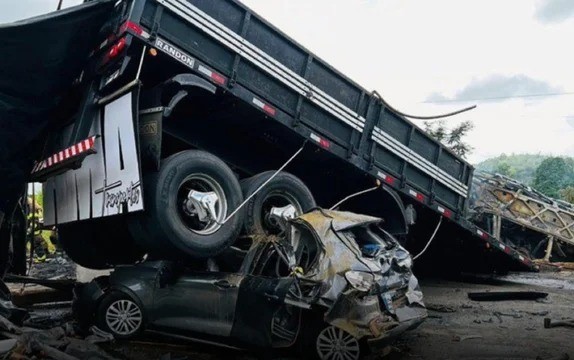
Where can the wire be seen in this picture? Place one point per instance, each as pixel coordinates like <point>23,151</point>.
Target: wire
<point>498,98</point>
<point>354,195</point>
<point>434,117</point>
<point>430,240</point>
<point>262,185</point>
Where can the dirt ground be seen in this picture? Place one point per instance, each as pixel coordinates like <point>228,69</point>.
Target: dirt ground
<point>457,327</point>
<point>493,330</point>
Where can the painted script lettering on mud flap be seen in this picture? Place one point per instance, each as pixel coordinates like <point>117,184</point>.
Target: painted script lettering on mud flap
<point>116,196</point>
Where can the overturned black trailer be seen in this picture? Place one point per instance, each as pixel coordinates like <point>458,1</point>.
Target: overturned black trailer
<point>184,108</point>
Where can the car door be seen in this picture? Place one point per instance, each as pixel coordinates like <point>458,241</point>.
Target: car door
<point>202,302</point>
<point>265,287</point>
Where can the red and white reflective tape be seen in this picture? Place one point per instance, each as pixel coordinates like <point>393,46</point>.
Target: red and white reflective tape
<point>325,144</point>
<point>386,178</point>
<point>482,234</point>
<point>135,28</point>
<point>445,212</point>
<point>217,78</point>
<point>65,154</point>
<point>416,195</point>
<point>502,246</point>
<point>263,106</point>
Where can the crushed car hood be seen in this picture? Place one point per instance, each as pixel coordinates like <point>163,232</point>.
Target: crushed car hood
<point>365,275</point>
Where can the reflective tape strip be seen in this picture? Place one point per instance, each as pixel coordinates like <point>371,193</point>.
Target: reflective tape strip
<point>322,142</point>
<point>264,61</point>
<point>482,234</point>
<point>66,154</point>
<point>418,161</point>
<point>416,195</point>
<point>386,178</point>
<point>263,106</point>
<point>218,78</point>
<point>446,212</point>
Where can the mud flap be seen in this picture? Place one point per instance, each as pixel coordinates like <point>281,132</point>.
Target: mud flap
<point>109,181</point>
<point>262,318</point>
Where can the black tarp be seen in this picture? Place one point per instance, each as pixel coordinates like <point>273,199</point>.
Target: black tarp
<point>39,59</point>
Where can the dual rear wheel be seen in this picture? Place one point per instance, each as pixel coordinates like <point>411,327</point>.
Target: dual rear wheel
<point>190,210</point>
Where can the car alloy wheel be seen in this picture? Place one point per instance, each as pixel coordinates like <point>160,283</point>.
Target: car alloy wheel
<point>335,344</point>
<point>124,317</point>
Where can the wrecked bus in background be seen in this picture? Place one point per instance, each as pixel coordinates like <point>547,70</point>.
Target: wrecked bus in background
<point>163,143</point>
<point>538,226</point>
<point>332,287</point>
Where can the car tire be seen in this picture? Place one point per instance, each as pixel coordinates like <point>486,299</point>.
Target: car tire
<point>169,227</point>
<point>323,341</point>
<point>284,189</point>
<point>99,243</point>
<point>120,315</point>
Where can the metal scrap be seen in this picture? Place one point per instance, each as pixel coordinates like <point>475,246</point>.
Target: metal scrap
<point>506,295</point>
<point>549,323</point>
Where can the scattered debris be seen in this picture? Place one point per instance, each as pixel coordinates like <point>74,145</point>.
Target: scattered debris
<point>461,338</point>
<point>506,295</point>
<point>535,313</point>
<point>549,323</point>
<point>440,308</point>
<point>499,314</point>
<point>560,357</point>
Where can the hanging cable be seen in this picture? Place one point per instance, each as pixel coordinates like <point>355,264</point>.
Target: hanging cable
<point>355,194</point>
<point>430,240</point>
<point>434,117</point>
<point>262,185</point>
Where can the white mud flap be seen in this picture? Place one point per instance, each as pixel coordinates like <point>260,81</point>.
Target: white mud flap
<point>109,181</point>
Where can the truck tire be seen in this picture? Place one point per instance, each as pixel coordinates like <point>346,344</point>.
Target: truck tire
<point>100,243</point>
<point>172,221</point>
<point>285,189</point>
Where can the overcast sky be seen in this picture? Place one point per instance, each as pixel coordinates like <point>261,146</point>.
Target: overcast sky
<point>513,58</point>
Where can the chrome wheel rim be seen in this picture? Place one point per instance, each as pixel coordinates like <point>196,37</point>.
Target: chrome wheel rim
<point>188,212</point>
<point>336,344</point>
<point>124,317</point>
<point>277,199</point>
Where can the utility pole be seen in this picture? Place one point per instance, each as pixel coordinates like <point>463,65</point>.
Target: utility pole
<point>60,5</point>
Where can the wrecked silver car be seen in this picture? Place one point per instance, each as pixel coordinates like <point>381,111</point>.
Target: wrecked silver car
<point>331,287</point>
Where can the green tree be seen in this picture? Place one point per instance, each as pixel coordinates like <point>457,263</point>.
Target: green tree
<point>452,138</point>
<point>505,169</point>
<point>552,175</point>
<point>567,194</point>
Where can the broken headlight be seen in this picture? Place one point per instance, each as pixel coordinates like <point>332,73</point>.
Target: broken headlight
<point>360,281</point>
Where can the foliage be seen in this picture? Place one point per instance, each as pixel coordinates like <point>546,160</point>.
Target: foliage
<point>452,138</point>
<point>506,170</point>
<point>567,194</point>
<point>553,175</point>
<point>520,166</point>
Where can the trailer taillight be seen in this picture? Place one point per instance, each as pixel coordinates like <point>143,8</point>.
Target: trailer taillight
<point>117,48</point>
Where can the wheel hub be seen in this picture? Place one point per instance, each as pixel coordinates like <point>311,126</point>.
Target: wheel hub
<point>279,216</point>
<point>202,205</point>
<point>333,343</point>
<point>124,317</point>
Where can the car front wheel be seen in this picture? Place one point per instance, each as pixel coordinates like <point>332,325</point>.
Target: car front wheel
<point>120,315</point>
<point>333,343</point>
